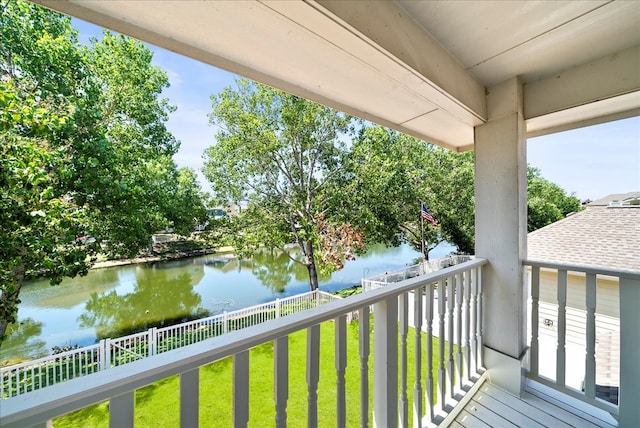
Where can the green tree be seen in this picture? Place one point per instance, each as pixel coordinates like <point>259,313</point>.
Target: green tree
<point>281,153</point>
<point>391,174</point>
<point>547,202</point>
<point>85,151</point>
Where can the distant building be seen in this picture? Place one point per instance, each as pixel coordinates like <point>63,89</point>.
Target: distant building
<point>232,209</point>
<point>605,234</point>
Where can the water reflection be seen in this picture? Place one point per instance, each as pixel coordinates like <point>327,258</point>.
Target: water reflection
<point>24,335</point>
<point>162,295</point>
<point>276,270</point>
<point>112,302</point>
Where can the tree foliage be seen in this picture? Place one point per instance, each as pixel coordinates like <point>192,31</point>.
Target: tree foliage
<point>547,202</point>
<point>86,160</point>
<point>391,174</point>
<point>281,153</point>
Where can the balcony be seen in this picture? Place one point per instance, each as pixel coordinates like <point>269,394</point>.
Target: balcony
<point>458,390</point>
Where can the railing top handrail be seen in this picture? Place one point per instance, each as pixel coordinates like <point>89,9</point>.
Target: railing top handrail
<point>624,273</point>
<point>44,404</point>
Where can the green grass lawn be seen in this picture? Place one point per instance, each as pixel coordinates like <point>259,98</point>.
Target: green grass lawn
<point>157,405</point>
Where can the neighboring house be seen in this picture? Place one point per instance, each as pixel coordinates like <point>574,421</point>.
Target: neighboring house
<point>605,233</point>
<point>231,209</point>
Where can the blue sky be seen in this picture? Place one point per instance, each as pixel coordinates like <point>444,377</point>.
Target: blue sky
<point>590,162</point>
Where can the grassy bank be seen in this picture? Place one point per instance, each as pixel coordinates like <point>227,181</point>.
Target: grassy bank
<point>166,247</point>
<point>157,405</point>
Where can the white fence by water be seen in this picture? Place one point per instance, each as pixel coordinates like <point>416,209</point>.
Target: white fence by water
<point>412,271</point>
<point>31,375</point>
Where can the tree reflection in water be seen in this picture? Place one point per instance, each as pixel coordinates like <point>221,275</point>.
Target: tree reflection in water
<point>20,338</point>
<point>162,296</point>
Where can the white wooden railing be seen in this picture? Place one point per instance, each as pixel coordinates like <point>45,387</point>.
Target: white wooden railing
<point>569,321</point>
<point>395,310</point>
<point>108,353</point>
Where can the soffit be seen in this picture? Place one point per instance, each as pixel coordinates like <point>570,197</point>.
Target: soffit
<point>420,67</point>
<point>495,40</point>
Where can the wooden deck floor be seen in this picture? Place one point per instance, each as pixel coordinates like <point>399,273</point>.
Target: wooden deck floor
<point>491,406</point>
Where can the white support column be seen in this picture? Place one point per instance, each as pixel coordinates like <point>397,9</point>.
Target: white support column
<point>501,231</point>
<point>385,363</point>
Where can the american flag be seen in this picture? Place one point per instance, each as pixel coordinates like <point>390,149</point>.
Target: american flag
<point>425,214</point>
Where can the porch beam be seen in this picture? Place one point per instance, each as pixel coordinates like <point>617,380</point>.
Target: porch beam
<point>604,89</point>
<point>501,231</point>
<point>449,85</point>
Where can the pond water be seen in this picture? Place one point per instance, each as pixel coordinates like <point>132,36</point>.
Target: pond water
<point>116,301</point>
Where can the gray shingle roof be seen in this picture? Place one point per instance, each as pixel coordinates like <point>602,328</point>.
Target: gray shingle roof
<point>599,236</point>
<point>614,197</point>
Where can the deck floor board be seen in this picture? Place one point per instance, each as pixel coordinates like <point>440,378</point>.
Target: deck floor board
<point>491,406</point>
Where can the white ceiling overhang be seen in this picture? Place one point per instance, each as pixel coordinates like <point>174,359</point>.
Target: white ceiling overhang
<point>421,67</point>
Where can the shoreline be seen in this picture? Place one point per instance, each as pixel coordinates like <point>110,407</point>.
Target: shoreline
<point>161,257</point>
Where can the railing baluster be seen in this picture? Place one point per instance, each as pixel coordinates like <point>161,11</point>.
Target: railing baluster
<point>474,321</point>
<point>561,359</point>
<point>363,349</point>
<point>535,319</point>
<point>590,362</point>
<point>385,363</point>
<point>241,389</point>
<point>429,361</point>
<point>153,345</point>
<point>417,385</point>
<point>404,330</point>
<point>189,398</point>
<point>442,380</point>
<point>459,296</point>
<point>281,379</point>
<point>121,410</point>
<point>341,365</point>
<point>451,298</point>
<point>467,323</point>
<point>313,374</point>
<point>478,279</point>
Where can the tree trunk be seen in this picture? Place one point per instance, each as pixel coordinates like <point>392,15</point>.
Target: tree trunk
<point>310,263</point>
<point>3,328</point>
<point>8,305</point>
<point>9,300</point>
